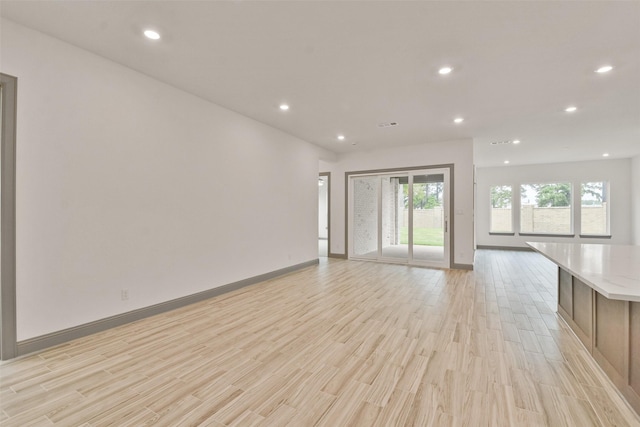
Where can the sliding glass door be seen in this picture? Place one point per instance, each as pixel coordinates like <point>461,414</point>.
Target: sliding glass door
<point>400,217</point>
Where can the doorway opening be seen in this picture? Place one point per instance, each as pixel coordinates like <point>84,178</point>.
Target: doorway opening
<point>323,214</point>
<point>401,216</point>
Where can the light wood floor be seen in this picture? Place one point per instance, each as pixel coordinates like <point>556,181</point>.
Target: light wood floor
<point>341,344</point>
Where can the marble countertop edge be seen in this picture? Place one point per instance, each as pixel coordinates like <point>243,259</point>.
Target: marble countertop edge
<point>602,284</point>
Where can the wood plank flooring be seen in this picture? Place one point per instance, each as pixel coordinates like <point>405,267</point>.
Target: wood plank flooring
<point>341,344</point>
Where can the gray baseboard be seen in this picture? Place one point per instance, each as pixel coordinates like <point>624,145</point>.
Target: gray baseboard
<point>505,248</point>
<point>60,337</point>
<point>339,256</point>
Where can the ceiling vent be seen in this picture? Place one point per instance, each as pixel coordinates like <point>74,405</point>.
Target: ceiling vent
<point>501,142</point>
<point>387,124</point>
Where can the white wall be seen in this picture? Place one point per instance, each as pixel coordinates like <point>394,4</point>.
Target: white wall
<point>617,172</point>
<point>459,153</point>
<point>124,182</point>
<point>635,198</point>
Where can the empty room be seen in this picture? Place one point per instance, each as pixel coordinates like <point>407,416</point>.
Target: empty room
<point>320,213</point>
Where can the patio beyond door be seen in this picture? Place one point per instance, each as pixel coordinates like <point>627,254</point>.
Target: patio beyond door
<point>400,217</point>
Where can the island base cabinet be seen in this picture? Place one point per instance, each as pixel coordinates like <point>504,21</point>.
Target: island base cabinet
<point>634,348</point>
<point>599,300</point>
<point>611,341</point>
<point>575,305</point>
<point>609,330</point>
<point>583,312</point>
<point>617,344</point>
<point>565,293</point>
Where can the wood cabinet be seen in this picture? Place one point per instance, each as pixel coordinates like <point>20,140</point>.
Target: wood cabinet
<point>609,330</point>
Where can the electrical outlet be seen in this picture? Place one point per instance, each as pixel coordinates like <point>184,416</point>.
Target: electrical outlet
<point>124,294</point>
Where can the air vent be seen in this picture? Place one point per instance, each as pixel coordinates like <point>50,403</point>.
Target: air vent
<point>387,124</point>
<point>501,142</point>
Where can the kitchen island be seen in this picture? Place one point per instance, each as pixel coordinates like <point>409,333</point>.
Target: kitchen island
<point>599,298</point>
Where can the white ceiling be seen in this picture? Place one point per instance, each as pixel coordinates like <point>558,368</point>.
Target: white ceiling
<point>344,67</point>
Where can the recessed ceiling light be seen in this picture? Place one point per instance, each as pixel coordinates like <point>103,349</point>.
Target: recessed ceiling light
<point>341,137</point>
<point>284,107</point>
<point>458,120</point>
<point>604,69</point>
<point>506,162</point>
<point>516,141</point>
<point>570,109</point>
<point>445,70</point>
<point>150,34</point>
<point>605,155</point>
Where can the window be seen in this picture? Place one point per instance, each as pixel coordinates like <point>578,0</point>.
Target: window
<point>501,215</point>
<point>594,217</point>
<point>545,208</point>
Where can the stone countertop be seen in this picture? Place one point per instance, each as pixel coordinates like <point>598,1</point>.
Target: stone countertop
<point>612,270</point>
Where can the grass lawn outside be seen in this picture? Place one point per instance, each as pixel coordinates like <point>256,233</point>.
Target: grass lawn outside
<point>423,236</point>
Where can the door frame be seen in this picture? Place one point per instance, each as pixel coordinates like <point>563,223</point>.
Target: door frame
<point>450,190</point>
<point>8,330</point>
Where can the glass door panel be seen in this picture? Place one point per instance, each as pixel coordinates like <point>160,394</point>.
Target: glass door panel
<point>394,218</point>
<point>429,218</point>
<point>365,216</point>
